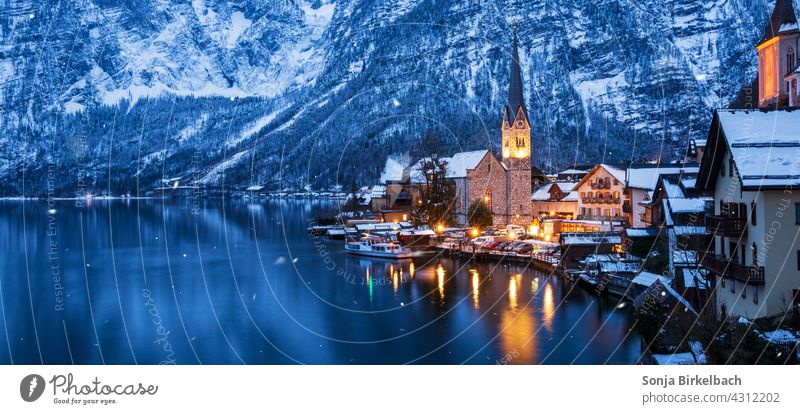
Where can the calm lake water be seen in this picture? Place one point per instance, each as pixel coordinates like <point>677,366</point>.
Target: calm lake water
<point>231,281</point>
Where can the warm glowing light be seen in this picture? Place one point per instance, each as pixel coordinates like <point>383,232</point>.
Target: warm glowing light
<point>396,221</point>
<point>440,228</point>
<point>475,232</point>
<point>405,217</point>
<point>506,153</point>
<point>534,286</point>
<point>534,229</point>
<point>486,199</point>
<point>476,283</point>
<point>512,291</point>
<point>411,270</point>
<point>391,268</point>
<point>552,213</point>
<point>547,237</point>
<point>512,234</point>
<point>440,278</point>
<point>548,307</point>
<point>395,282</point>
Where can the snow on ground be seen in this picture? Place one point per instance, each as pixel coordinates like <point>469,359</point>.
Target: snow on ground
<point>239,24</point>
<point>217,172</point>
<point>253,129</point>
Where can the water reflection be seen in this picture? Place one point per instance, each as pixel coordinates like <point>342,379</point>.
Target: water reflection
<point>476,284</point>
<point>318,306</point>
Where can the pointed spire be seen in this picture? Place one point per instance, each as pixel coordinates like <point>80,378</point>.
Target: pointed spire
<point>515,98</point>
<point>783,20</point>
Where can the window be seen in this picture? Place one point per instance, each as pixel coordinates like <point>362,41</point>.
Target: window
<point>520,142</point>
<point>731,166</point>
<point>733,285</point>
<point>744,292</point>
<point>487,198</point>
<point>753,219</point>
<point>722,169</point>
<point>798,260</point>
<point>797,213</point>
<point>754,254</point>
<point>789,60</point>
<point>755,294</point>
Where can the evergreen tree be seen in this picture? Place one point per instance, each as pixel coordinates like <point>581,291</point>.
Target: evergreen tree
<point>437,194</point>
<point>479,214</point>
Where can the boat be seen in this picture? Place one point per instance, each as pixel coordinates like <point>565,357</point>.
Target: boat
<point>373,246</point>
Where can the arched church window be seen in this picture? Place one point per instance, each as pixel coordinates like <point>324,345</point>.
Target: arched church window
<point>520,142</point>
<point>790,60</point>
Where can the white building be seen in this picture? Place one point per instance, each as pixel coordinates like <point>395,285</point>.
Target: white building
<point>555,199</point>
<point>752,166</point>
<point>600,194</point>
<point>639,186</point>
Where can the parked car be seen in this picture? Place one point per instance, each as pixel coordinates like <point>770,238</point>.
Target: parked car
<point>524,248</point>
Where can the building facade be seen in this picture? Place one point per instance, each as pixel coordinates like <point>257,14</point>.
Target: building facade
<point>601,194</point>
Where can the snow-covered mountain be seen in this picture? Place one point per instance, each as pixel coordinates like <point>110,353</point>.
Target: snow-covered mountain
<point>117,94</point>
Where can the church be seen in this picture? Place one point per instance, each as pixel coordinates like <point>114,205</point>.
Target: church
<point>503,183</point>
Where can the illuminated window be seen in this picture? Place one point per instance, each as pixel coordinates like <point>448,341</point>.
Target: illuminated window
<point>520,142</point>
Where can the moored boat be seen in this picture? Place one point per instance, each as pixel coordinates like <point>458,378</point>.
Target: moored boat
<point>372,246</point>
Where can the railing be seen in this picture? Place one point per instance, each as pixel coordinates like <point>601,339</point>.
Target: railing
<point>726,226</point>
<point>600,218</point>
<point>725,267</point>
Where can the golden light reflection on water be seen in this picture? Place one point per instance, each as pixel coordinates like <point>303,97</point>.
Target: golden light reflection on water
<point>513,284</point>
<point>517,337</point>
<point>548,307</point>
<point>476,284</point>
<point>440,278</point>
<point>395,282</point>
<point>411,270</point>
<point>534,285</point>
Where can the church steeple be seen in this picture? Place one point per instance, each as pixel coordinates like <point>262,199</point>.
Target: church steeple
<point>777,57</point>
<point>783,20</point>
<point>516,101</point>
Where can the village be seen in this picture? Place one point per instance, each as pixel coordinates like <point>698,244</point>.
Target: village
<point>704,247</point>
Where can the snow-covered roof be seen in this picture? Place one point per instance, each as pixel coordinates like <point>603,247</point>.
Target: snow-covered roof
<point>619,266</point>
<point>572,196</point>
<point>648,232</point>
<point>780,336</point>
<point>457,165</point>
<point>694,278</point>
<point>673,190</point>
<point>393,170</point>
<point>690,230</point>
<point>615,172</point>
<point>378,191</point>
<point>684,257</point>
<point>647,279</point>
<point>646,178</point>
<point>255,188</point>
<point>577,239</point>
<point>689,205</point>
<point>572,171</point>
<point>543,193</point>
<point>765,145</point>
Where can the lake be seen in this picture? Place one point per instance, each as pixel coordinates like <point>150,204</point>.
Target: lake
<point>231,281</point>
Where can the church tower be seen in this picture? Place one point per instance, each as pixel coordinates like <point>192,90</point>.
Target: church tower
<point>777,56</point>
<point>516,148</point>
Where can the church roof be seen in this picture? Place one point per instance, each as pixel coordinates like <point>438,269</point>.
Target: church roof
<point>515,97</point>
<point>783,20</point>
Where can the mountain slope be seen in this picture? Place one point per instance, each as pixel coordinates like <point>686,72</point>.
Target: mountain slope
<point>119,94</point>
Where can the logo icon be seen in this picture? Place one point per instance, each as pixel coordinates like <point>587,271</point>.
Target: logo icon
<point>31,387</point>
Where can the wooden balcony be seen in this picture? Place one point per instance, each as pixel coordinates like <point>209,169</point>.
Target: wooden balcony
<point>725,267</point>
<point>726,226</point>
